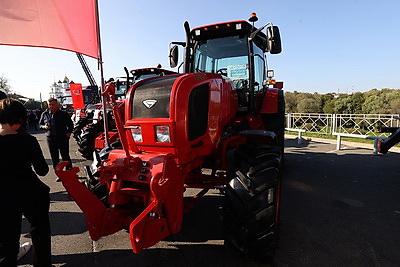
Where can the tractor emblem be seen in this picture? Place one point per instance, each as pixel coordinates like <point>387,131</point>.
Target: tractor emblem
<point>149,103</point>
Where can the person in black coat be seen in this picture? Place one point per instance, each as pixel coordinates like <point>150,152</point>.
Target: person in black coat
<point>21,191</point>
<point>58,126</point>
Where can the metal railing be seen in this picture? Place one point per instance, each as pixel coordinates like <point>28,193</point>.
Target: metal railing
<point>366,126</point>
<point>330,124</point>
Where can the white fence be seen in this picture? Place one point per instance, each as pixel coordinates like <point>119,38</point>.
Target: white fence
<point>342,125</point>
<point>358,124</point>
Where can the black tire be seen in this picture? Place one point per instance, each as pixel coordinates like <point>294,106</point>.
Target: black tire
<point>87,139</point>
<point>276,123</point>
<point>92,183</point>
<point>251,203</point>
<point>77,131</point>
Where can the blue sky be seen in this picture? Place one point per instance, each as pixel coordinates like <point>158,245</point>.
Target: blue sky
<point>328,46</point>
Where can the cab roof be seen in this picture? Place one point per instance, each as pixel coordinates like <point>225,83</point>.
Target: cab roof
<point>230,28</point>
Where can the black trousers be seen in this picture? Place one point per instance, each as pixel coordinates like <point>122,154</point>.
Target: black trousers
<point>57,146</point>
<point>34,206</point>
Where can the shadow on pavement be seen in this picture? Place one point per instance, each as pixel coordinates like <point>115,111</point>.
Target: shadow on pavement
<point>339,208</point>
<point>205,255</point>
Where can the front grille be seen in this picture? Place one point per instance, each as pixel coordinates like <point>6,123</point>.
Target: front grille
<point>156,93</point>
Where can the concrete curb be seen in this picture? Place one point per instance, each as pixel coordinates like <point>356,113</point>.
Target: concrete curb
<point>344,143</point>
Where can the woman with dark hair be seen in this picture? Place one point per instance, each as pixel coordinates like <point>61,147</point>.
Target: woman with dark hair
<point>2,94</point>
<point>21,191</point>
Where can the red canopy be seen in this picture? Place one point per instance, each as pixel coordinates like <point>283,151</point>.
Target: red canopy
<point>63,24</point>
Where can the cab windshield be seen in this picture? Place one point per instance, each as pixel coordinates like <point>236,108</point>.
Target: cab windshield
<point>227,56</point>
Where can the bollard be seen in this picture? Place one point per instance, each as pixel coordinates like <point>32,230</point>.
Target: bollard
<point>299,139</point>
<point>338,142</point>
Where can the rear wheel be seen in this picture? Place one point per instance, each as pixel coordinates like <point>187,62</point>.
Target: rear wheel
<point>76,132</point>
<point>251,204</point>
<point>87,139</point>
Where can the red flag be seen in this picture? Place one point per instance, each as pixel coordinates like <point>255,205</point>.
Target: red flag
<point>63,24</point>
<point>77,96</point>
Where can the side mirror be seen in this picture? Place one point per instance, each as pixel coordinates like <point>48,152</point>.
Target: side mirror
<point>173,56</point>
<point>273,40</point>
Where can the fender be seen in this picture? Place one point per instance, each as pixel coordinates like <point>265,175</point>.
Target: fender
<point>258,136</point>
<point>262,135</point>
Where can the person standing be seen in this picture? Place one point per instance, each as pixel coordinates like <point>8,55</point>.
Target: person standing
<point>21,191</point>
<point>24,248</point>
<point>58,126</point>
<point>32,120</point>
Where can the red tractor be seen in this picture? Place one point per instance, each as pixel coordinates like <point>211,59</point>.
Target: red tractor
<point>218,125</point>
<point>88,128</point>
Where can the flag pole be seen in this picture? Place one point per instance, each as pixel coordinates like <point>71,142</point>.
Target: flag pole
<point>100,66</point>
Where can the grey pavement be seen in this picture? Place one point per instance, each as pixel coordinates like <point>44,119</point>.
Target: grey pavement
<point>338,208</point>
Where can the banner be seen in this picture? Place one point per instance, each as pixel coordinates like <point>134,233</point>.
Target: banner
<point>63,24</point>
<point>77,95</point>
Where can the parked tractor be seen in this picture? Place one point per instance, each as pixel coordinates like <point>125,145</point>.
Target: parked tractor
<point>89,125</point>
<point>217,125</point>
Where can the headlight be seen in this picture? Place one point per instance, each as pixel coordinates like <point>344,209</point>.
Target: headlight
<point>162,134</point>
<point>137,133</point>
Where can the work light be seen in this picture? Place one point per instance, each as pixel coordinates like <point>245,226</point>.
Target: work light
<point>162,134</point>
<point>137,133</point>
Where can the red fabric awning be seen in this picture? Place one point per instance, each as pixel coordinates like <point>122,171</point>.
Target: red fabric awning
<point>63,24</point>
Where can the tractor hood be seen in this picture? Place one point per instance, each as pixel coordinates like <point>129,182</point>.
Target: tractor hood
<point>151,98</point>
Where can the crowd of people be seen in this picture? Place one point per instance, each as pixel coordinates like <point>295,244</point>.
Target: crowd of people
<point>33,119</point>
<point>22,162</point>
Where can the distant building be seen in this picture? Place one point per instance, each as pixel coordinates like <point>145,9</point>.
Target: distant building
<point>61,92</point>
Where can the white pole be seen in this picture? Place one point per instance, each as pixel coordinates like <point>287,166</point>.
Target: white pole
<point>100,65</point>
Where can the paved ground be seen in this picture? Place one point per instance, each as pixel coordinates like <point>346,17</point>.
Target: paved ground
<point>338,208</point>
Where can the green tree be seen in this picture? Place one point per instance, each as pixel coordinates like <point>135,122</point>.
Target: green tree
<point>308,103</point>
<point>384,101</point>
<point>343,105</point>
<point>373,104</point>
<point>291,102</point>
<point>394,106</point>
<point>328,107</point>
<point>357,101</point>
<point>325,102</point>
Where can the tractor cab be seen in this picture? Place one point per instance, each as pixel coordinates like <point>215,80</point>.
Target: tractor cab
<point>234,50</point>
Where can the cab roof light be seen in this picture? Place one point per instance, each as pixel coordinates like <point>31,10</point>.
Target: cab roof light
<point>253,17</point>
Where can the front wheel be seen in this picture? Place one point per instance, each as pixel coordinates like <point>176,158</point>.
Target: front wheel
<point>251,203</point>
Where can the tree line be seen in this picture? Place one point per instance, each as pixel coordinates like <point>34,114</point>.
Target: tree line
<point>385,101</point>
<point>30,103</point>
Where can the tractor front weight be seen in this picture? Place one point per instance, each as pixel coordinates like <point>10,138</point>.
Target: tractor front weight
<point>145,196</point>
